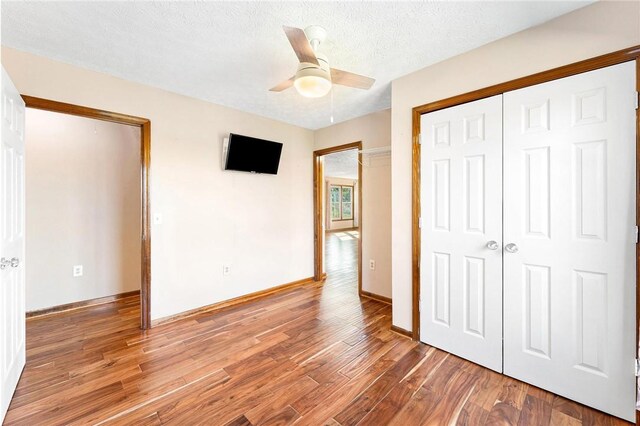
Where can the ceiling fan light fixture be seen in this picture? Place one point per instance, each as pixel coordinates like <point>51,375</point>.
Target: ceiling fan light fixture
<point>312,81</point>
<point>314,78</point>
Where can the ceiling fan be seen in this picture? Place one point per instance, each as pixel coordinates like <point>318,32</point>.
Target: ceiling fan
<point>314,77</point>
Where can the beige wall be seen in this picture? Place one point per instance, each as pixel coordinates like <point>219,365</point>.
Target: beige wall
<point>591,31</point>
<point>340,224</point>
<point>374,130</point>
<point>260,225</point>
<point>83,208</point>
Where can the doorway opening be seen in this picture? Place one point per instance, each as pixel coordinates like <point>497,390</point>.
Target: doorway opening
<point>338,212</point>
<point>87,195</point>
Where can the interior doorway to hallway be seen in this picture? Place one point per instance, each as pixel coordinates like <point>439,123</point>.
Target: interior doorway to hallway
<point>338,213</point>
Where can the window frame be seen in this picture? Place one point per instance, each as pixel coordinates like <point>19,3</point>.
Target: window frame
<point>341,202</point>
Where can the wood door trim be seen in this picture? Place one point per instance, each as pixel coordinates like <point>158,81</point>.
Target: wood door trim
<point>145,165</point>
<point>318,235</point>
<point>598,62</point>
<point>614,58</point>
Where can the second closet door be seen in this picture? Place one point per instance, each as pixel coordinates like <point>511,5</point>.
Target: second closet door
<point>569,222</point>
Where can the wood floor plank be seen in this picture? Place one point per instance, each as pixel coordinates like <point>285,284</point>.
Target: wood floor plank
<point>284,416</point>
<point>360,406</point>
<point>397,397</point>
<point>503,414</point>
<point>472,414</point>
<point>417,409</point>
<point>508,406</point>
<point>313,355</point>
<point>458,390</point>
<point>239,421</point>
<point>535,411</point>
<point>280,400</point>
<point>570,408</point>
<point>558,418</point>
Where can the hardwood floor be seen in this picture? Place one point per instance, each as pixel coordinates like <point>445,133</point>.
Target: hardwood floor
<point>314,355</point>
<point>341,259</point>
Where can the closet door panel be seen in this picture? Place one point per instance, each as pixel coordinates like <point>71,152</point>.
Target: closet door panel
<point>461,193</point>
<point>569,208</point>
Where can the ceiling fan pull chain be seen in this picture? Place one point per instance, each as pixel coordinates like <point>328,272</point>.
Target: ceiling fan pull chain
<point>332,105</point>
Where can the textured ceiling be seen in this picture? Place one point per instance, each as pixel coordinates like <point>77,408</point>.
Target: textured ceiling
<point>342,164</point>
<point>231,53</point>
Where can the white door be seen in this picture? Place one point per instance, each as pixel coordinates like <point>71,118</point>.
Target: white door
<point>569,210</point>
<point>461,277</point>
<point>12,284</point>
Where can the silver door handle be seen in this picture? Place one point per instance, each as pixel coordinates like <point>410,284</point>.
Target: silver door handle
<point>493,245</point>
<point>511,248</point>
<point>15,262</point>
<point>4,263</point>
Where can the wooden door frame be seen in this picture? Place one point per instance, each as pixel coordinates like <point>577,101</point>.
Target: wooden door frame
<point>318,235</point>
<point>145,165</point>
<point>614,58</point>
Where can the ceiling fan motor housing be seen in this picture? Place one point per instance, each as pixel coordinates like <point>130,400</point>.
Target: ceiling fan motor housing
<point>322,70</point>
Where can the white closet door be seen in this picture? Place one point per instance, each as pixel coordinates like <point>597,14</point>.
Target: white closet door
<point>461,278</point>
<point>569,207</point>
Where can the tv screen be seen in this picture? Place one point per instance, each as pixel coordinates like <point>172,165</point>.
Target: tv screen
<point>247,154</point>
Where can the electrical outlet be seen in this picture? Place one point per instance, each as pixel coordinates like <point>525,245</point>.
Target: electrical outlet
<point>372,264</point>
<point>77,270</point>
<point>226,270</point>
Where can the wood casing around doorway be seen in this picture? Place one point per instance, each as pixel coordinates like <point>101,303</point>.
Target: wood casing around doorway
<point>145,165</point>
<point>318,201</point>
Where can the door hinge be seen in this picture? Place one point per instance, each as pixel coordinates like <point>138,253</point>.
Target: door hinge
<point>637,99</point>
<point>420,136</point>
<point>420,225</point>
<point>636,234</point>
<point>637,367</point>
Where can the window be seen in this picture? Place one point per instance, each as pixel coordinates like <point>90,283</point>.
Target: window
<point>336,211</point>
<point>347,202</point>
<point>341,199</point>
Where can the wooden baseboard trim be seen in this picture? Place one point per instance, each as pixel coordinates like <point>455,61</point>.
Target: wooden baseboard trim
<point>402,331</point>
<point>374,296</point>
<point>82,304</point>
<point>235,301</point>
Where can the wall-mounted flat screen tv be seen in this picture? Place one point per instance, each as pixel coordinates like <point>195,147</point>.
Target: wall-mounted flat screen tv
<point>247,154</point>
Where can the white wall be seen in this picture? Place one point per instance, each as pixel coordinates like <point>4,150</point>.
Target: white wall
<point>340,224</point>
<point>374,130</point>
<point>260,225</point>
<point>83,208</point>
<point>591,31</point>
